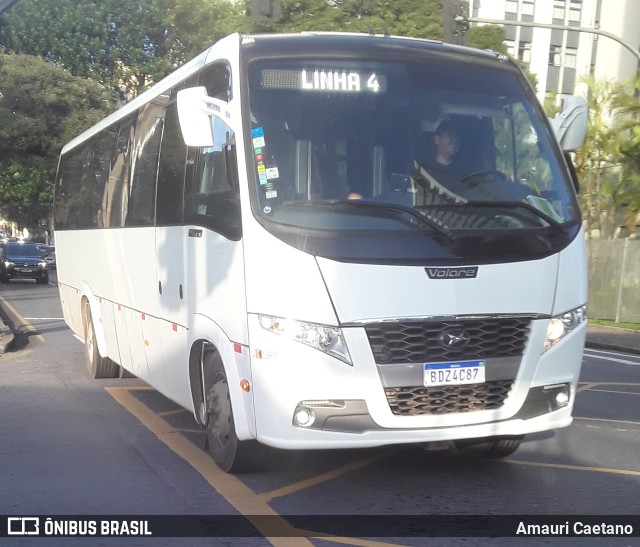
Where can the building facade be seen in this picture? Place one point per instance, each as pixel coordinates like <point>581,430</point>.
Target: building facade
<point>560,58</point>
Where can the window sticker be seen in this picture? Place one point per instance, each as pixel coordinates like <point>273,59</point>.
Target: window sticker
<point>272,173</point>
<point>257,135</point>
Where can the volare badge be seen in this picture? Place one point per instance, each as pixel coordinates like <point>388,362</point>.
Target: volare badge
<point>466,272</point>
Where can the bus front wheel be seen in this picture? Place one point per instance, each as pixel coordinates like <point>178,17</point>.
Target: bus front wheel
<point>97,366</point>
<point>230,453</point>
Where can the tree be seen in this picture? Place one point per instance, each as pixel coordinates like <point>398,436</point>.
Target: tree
<point>627,106</point>
<point>125,45</point>
<point>416,18</point>
<point>41,107</point>
<point>487,37</point>
<point>599,161</point>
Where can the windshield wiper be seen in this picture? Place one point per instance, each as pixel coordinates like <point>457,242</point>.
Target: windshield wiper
<point>381,206</point>
<point>413,213</point>
<point>499,205</point>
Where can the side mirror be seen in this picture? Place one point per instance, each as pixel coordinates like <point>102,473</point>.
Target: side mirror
<point>195,109</point>
<point>570,126</point>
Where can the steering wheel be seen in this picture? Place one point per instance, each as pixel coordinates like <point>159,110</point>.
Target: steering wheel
<point>483,175</point>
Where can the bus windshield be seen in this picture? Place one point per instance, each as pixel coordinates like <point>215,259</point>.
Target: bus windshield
<point>440,145</point>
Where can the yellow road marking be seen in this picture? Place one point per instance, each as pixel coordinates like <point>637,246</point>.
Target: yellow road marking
<point>231,488</point>
<point>242,498</point>
<point>172,412</point>
<point>586,387</point>
<point>576,468</point>
<point>324,477</point>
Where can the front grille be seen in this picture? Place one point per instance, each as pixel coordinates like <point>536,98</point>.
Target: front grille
<point>419,341</point>
<point>420,400</point>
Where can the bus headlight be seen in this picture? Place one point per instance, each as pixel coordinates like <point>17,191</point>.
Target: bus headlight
<point>321,337</point>
<point>561,325</point>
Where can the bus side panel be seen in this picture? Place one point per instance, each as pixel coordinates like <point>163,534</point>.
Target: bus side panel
<point>215,281</point>
<point>171,270</point>
<point>108,326</point>
<point>175,359</point>
<point>122,337</point>
<point>572,286</point>
<point>135,343</point>
<point>70,300</point>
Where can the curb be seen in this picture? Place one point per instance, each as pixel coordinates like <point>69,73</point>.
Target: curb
<point>6,338</point>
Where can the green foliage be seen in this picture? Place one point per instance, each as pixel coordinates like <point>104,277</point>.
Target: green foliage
<point>41,107</point>
<point>487,37</point>
<point>417,18</point>
<point>609,162</point>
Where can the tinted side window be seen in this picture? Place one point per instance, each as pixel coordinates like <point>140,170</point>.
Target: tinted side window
<point>97,160</point>
<point>145,154</point>
<point>117,199</point>
<point>67,198</point>
<point>173,155</point>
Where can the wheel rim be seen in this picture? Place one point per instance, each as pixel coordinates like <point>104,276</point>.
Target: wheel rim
<point>219,405</point>
<point>89,342</point>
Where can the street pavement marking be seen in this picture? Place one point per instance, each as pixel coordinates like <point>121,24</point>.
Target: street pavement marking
<point>587,387</point>
<point>324,477</point>
<point>251,504</point>
<point>231,488</point>
<point>576,467</point>
<point>44,318</point>
<point>614,359</point>
<point>607,420</point>
<point>172,412</point>
<point>591,386</point>
<point>614,391</point>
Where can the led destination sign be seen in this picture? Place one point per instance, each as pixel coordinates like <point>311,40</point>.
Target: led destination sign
<point>339,80</point>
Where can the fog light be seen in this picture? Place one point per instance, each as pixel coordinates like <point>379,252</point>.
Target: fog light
<point>304,417</point>
<point>558,394</point>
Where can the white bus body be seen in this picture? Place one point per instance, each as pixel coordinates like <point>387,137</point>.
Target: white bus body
<point>235,277</point>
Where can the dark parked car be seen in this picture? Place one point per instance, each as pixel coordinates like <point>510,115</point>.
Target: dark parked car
<point>22,260</point>
<point>49,254</point>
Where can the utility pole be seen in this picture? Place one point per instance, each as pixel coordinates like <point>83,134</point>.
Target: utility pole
<point>455,21</point>
<point>6,4</point>
<point>265,11</point>
<point>557,27</point>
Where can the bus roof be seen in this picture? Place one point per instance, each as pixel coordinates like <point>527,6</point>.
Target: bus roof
<point>338,41</point>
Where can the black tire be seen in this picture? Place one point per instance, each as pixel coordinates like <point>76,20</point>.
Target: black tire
<point>97,366</point>
<point>4,279</point>
<point>489,448</point>
<point>230,454</point>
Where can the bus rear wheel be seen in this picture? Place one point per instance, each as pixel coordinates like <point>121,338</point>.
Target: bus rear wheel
<point>490,448</point>
<point>97,366</point>
<point>230,453</point>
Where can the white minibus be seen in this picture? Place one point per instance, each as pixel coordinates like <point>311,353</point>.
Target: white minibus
<point>329,241</point>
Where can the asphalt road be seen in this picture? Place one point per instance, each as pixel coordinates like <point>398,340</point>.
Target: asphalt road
<point>71,446</point>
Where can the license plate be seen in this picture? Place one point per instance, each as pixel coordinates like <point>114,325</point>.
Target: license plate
<point>454,373</point>
<point>25,270</point>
